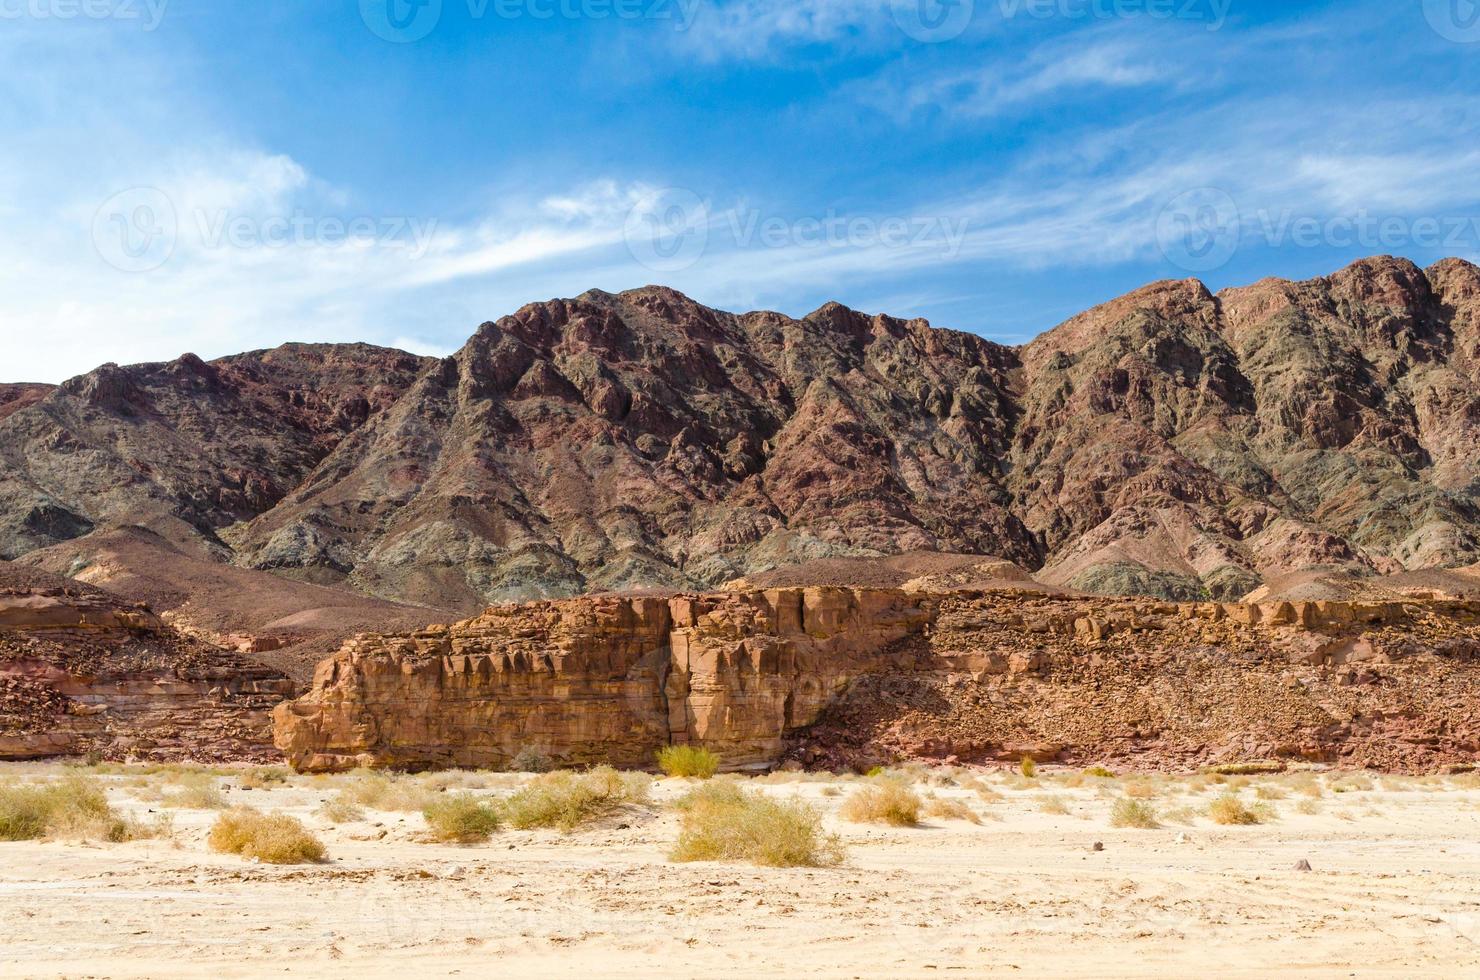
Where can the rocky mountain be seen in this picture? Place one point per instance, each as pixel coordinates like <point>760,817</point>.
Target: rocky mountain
<point>1172,442</point>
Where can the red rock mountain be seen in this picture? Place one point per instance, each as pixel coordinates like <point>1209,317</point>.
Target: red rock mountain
<point>1172,442</point>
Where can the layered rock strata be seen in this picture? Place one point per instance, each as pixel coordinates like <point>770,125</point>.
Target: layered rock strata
<point>847,676</point>
<point>82,673</point>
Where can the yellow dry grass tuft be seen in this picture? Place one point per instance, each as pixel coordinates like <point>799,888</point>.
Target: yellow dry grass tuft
<point>565,799</point>
<point>884,801</point>
<point>687,760</point>
<point>722,822</point>
<point>1128,812</point>
<point>461,818</point>
<point>272,838</point>
<point>74,806</point>
<point>951,810</point>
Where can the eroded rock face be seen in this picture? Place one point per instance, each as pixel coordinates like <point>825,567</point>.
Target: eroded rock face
<point>1172,442</point>
<point>82,672</point>
<point>846,675</point>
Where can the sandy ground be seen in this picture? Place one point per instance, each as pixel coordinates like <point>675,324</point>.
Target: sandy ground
<point>1394,891</point>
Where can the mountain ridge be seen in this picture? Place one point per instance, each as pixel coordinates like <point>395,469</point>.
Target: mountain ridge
<point>1171,441</point>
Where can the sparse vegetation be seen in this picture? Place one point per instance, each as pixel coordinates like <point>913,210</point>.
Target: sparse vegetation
<point>197,791</point>
<point>722,822</point>
<point>1028,767</point>
<point>687,760</point>
<point>566,800</point>
<point>1140,789</point>
<point>950,810</point>
<point>265,777</point>
<point>885,801</point>
<point>1099,772</point>
<point>74,806</point>
<point>530,760</point>
<point>341,810</point>
<point>1257,768</point>
<point>272,838</point>
<point>461,818</point>
<point>1229,810</point>
<point>1308,807</point>
<point>383,791</point>
<point>1128,812</point>
<point>1054,805</point>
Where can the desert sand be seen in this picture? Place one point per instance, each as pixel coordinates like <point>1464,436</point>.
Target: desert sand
<point>1393,890</point>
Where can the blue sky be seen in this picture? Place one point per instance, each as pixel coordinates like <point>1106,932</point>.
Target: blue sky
<point>192,175</point>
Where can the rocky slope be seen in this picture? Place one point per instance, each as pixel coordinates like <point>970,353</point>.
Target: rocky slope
<point>82,672</point>
<point>835,676</point>
<point>1172,442</point>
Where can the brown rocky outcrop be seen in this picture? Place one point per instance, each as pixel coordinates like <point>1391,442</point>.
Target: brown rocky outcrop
<point>837,675</point>
<point>1172,442</point>
<point>82,672</point>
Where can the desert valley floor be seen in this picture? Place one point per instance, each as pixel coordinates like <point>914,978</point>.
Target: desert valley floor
<point>1392,890</point>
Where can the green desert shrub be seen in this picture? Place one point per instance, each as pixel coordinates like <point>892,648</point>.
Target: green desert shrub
<point>272,838</point>
<point>885,801</point>
<point>1129,812</point>
<point>687,760</point>
<point>722,822</point>
<point>565,799</point>
<point>1099,772</point>
<point>1259,768</point>
<point>461,817</point>
<point>1028,767</point>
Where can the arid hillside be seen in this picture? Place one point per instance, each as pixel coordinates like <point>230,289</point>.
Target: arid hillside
<point>1172,442</point>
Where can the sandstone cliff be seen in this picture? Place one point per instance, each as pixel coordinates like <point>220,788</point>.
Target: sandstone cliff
<point>83,673</point>
<point>844,676</point>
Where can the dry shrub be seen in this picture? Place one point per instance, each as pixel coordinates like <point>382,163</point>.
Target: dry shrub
<point>1185,815</point>
<point>1128,812</point>
<point>341,810</point>
<point>1356,782</point>
<point>1269,792</point>
<point>1308,807</point>
<point>265,777</point>
<point>987,794</point>
<point>687,760</point>
<point>461,817</point>
<point>385,791</point>
<point>1229,810</point>
<point>1028,767</point>
<point>722,822</point>
<point>1099,772</point>
<point>530,760</point>
<point>197,791</point>
<point>566,800</point>
<point>73,807</point>
<point>1054,805</point>
<point>272,838</point>
<point>951,810</point>
<point>1140,789</point>
<point>832,791</point>
<point>884,801</point>
<point>1247,768</point>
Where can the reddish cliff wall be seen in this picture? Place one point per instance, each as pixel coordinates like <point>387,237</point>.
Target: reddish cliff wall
<point>839,675</point>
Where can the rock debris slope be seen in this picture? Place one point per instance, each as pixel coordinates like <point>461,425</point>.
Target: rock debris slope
<point>837,675</point>
<point>1171,442</point>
